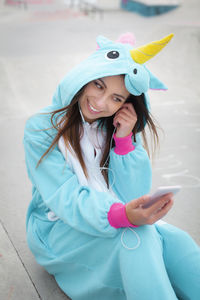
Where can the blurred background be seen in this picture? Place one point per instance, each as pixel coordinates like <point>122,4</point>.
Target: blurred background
<point>40,41</point>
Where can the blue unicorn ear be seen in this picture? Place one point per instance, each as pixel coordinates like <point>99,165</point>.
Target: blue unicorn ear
<point>155,83</point>
<point>103,41</point>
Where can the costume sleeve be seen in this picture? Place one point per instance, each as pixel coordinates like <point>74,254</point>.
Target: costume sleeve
<point>83,208</point>
<point>123,145</point>
<point>130,175</point>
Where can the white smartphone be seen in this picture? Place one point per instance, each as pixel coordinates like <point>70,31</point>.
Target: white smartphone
<point>161,191</point>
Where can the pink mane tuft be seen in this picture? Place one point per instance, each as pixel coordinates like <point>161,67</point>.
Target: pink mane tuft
<point>127,38</point>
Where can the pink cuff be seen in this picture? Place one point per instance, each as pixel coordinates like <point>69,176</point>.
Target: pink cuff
<point>117,216</point>
<point>123,145</point>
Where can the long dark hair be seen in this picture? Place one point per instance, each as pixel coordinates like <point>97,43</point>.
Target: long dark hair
<point>68,123</point>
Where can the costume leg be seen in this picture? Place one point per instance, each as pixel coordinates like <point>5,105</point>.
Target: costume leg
<point>94,268</point>
<point>107,269</point>
<point>182,260</point>
<point>143,270</point>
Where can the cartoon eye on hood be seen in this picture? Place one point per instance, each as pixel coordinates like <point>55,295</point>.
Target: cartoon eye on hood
<point>112,54</point>
<point>113,58</point>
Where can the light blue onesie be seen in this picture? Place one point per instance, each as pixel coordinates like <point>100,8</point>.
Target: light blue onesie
<point>67,226</point>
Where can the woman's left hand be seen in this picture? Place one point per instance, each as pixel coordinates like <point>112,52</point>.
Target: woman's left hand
<point>125,120</point>
<point>138,215</point>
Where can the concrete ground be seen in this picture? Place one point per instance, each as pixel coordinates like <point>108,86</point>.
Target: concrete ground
<point>38,45</point>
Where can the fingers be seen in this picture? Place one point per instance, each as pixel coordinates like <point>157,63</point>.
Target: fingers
<point>128,106</point>
<point>126,118</point>
<point>140,201</point>
<point>128,109</point>
<point>160,213</point>
<point>160,203</point>
<point>138,215</point>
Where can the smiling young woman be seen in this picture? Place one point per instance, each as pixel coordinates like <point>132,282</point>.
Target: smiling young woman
<point>91,176</point>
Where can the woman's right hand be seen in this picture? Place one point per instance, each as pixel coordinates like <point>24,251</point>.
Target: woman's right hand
<point>137,215</point>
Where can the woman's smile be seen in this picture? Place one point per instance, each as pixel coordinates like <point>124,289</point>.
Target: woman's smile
<point>92,109</point>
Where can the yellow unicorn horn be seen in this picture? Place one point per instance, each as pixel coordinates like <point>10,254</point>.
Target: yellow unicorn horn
<point>142,54</point>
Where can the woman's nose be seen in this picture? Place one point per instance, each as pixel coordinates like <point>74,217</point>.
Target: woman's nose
<point>101,102</point>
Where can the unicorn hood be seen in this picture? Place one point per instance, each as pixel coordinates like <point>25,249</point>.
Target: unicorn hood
<point>113,58</point>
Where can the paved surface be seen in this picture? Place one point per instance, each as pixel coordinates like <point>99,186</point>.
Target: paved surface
<point>37,47</point>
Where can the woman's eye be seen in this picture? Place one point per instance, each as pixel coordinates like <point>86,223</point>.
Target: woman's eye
<point>117,99</point>
<point>97,85</point>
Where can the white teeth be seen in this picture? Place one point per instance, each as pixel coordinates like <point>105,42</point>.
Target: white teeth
<point>92,108</point>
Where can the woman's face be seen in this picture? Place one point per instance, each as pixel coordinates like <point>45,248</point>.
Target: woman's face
<point>103,97</point>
